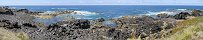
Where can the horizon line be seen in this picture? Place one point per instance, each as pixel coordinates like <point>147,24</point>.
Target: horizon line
<point>106,4</point>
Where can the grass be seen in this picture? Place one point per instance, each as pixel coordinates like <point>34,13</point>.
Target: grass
<point>132,37</point>
<point>185,34</point>
<point>22,36</point>
<point>8,35</point>
<point>186,29</point>
<point>183,24</point>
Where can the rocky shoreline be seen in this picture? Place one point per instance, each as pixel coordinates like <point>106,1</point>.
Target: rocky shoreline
<point>124,28</point>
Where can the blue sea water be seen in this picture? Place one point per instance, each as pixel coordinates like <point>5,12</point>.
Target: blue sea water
<point>106,11</point>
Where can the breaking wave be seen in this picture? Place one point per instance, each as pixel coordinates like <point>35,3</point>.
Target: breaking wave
<point>156,13</point>
<point>85,13</point>
<point>168,11</point>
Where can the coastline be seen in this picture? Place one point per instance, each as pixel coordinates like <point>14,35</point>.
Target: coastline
<point>126,27</point>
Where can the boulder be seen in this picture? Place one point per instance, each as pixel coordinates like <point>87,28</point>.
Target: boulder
<point>101,19</point>
<point>53,26</point>
<point>36,12</point>
<point>83,24</point>
<point>29,25</point>
<point>74,24</point>
<point>5,10</point>
<point>29,12</point>
<point>117,34</point>
<point>145,26</point>
<point>23,10</point>
<point>163,15</point>
<point>8,24</point>
<point>16,25</point>
<point>197,13</point>
<point>4,23</point>
<point>181,15</point>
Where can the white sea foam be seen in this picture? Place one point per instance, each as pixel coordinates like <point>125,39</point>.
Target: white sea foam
<point>85,13</point>
<point>182,9</point>
<point>75,12</point>
<point>161,12</point>
<point>58,8</point>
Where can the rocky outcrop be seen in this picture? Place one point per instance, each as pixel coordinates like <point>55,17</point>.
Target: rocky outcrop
<point>8,24</point>
<point>145,26</point>
<point>197,13</point>
<point>6,10</point>
<point>26,11</point>
<point>164,15</point>
<point>10,14</point>
<point>72,31</point>
<point>29,25</point>
<point>81,29</point>
<point>181,15</point>
<point>101,20</point>
<point>68,30</point>
<point>23,10</point>
<point>20,18</point>
<point>118,34</point>
<point>75,24</point>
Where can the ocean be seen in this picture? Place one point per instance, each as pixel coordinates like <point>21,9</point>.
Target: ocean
<point>93,12</point>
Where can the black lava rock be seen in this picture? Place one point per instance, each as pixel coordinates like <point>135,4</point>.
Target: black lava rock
<point>29,25</point>
<point>6,10</point>
<point>181,15</point>
<point>197,13</point>
<point>101,20</point>
<point>117,34</point>
<point>23,10</point>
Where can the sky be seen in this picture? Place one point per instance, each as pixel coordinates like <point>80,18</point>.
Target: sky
<point>101,2</point>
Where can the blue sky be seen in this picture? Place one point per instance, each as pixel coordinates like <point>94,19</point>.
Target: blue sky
<point>101,2</point>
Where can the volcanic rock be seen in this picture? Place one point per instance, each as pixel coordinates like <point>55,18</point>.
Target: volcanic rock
<point>164,15</point>
<point>197,13</point>
<point>181,15</point>
<point>6,10</point>
<point>101,19</point>
<point>144,26</point>
<point>118,34</point>
<point>23,10</point>
<point>29,25</point>
<point>76,24</point>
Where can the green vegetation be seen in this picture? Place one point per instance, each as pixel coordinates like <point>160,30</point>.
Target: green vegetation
<point>185,34</point>
<point>186,29</point>
<point>184,24</point>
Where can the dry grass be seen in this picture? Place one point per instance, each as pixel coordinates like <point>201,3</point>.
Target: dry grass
<point>186,29</point>
<point>132,37</point>
<point>185,34</point>
<point>22,36</point>
<point>8,35</point>
<point>183,24</point>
